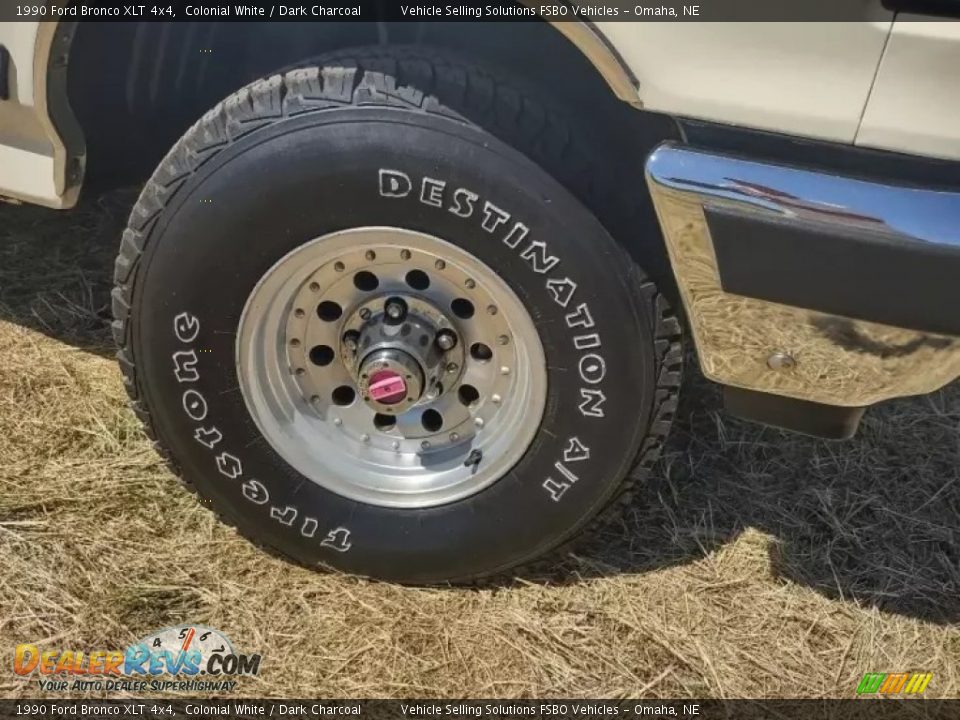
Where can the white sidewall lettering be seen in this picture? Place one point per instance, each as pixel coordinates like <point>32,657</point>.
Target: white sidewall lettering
<point>536,255</point>
<point>493,217</point>
<point>285,516</point>
<point>194,405</point>
<point>338,539</point>
<point>592,402</point>
<point>255,492</point>
<point>185,366</point>
<point>207,437</point>
<point>557,487</point>
<point>517,233</point>
<point>562,290</point>
<point>581,317</point>
<point>575,451</point>
<point>586,342</point>
<point>229,465</point>
<point>593,368</point>
<point>309,527</point>
<point>186,327</point>
<point>431,192</point>
<point>394,184</point>
<point>463,203</point>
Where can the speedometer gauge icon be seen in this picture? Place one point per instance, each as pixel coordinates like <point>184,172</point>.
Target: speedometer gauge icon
<point>183,639</point>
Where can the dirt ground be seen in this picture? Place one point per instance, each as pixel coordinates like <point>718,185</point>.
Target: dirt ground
<point>759,563</point>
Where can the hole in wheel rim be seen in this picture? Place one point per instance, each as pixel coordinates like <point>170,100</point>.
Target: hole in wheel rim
<point>481,352</point>
<point>468,394</point>
<point>366,281</point>
<point>343,395</point>
<point>431,420</point>
<point>418,279</point>
<point>328,311</point>
<point>384,422</point>
<point>462,308</point>
<point>321,355</point>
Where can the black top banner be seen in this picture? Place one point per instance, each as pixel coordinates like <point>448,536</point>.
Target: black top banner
<point>472,10</point>
<point>183,709</point>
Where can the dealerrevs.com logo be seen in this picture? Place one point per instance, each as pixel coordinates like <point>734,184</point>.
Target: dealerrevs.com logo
<point>186,657</point>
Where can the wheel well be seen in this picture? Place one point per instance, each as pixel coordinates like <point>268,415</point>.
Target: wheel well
<point>136,87</point>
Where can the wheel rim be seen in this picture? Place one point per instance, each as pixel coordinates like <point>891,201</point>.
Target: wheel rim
<point>391,367</point>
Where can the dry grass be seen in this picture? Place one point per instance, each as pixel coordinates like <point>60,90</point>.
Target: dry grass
<point>759,564</point>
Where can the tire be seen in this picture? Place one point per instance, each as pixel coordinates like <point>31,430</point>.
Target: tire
<point>299,156</point>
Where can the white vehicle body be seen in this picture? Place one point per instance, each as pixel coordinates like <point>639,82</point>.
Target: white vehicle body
<point>32,153</point>
<point>891,85</point>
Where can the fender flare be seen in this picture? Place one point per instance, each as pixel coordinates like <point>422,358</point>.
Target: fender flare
<point>60,126</point>
<point>603,56</point>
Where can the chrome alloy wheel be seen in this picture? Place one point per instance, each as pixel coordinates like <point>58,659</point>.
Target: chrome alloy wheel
<point>391,367</point>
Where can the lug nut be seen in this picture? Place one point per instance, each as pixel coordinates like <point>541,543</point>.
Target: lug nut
<point>452,367</point>
<point>365,313</point>
<point>446,340</point>
<point>350,339</point>
<point>395,310</point>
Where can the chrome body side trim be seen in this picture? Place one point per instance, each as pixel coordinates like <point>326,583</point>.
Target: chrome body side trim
<point>760,344</point>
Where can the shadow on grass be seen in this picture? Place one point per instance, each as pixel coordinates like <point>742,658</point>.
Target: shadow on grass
<point>56,268</point>
<point>873,520</point>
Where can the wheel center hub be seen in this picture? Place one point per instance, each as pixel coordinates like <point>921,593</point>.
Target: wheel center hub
<point>390,379</point>
<point>387,387</point>
<point>401,354</point>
